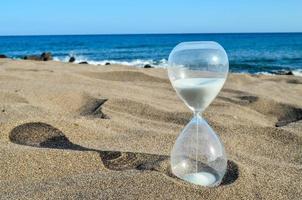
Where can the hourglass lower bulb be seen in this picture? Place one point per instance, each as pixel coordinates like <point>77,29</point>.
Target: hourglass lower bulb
<point>197,71</point>
<point>198,156</point>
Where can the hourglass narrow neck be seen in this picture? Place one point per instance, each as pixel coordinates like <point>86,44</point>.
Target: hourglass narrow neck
<point>197,114</point>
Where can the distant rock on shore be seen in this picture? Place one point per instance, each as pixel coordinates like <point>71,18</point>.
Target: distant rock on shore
<point>72,59</point>
<point>148,66</point>
<point>83,63</point>
<point>283,73</point>
<point>45,56</point>
<point>3,56</point>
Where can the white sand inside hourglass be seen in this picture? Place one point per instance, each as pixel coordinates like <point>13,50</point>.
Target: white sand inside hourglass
<point>198,93</point>
<point>201,178</point>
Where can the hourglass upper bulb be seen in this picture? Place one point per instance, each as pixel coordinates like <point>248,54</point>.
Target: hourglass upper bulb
<point>197,71</point>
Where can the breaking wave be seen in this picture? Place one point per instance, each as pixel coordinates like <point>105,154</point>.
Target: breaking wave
<point>136,62</point>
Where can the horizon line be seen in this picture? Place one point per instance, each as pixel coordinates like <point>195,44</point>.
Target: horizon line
<point>190,33</point>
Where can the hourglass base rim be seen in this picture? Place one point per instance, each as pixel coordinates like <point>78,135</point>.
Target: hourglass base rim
<point>207,177</point>
<point>204,179</point>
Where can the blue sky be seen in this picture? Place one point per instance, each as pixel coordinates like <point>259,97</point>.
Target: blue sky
<point>32,17</point>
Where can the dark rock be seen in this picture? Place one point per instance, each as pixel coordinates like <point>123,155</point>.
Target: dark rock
<point>46,56</point>
<point>107,63</point>
<point>32,57</point>
<point>83,63</point>
<point>289,73</point>
<point>283,73</point>
<point>72,59</point>
<point>3,56</point>
<point>148,66</point>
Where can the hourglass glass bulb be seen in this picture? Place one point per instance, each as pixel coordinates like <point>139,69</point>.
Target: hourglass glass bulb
<point>198,155</point>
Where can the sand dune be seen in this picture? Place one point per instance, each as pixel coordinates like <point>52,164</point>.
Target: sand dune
<point>105,132</point>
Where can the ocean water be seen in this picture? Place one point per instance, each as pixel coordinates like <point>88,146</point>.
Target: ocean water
<point>248,53</point>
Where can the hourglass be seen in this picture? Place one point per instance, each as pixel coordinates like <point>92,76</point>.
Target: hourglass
<point>197,71</point>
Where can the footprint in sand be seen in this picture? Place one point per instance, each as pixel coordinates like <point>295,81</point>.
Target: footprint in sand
<point>93,108</point>
<point>145,111</point>
<point>79,104</point>
<point>38,134</point>
<point>284,113</point>
<point>42,135</point>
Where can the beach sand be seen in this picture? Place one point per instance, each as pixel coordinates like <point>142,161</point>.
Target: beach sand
<point>105,132</point>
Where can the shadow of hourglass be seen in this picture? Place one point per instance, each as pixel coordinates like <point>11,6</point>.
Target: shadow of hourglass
<point>42,135</point>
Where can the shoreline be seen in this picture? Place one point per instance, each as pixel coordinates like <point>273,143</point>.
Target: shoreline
<point>162,65</point>
<point>248,53</point>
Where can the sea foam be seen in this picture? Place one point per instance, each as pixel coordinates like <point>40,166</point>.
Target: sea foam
<point>136,62</point>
